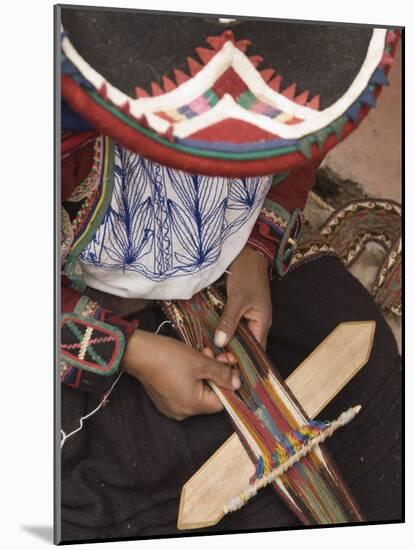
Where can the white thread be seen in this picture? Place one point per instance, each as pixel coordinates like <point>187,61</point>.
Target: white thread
<point>228,272</point>
<point>163,323</point>
<point>81,421</point>
<point>102,402</point>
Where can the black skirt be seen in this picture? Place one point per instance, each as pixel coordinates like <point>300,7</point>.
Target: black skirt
<point>122,474</point>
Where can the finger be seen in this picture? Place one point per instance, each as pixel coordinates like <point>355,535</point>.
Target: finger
<point>227,357</point>
<point>259,326</point>
<point>258,330</point>
<point>209,402</point>
<point>228,322</point>
<point>208,352</point>
<point>265,340</point>
<point>221,374</point>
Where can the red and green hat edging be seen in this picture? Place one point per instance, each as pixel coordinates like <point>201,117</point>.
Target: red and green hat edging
<point>195,155</point>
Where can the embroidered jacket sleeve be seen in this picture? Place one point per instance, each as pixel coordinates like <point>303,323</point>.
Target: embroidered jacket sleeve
<point>93,340</point>
<point>279,222</point>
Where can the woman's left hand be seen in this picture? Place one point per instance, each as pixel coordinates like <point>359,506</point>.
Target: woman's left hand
<point>248,296</point>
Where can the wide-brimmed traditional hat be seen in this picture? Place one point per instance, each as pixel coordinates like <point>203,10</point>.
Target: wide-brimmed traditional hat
<point>231,98</point>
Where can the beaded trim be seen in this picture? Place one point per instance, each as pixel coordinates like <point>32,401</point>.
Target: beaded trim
<point>99,186</point>
<point>91,182</point>
<point>88,190</point>
<point>275,214</point>
<point>67,234</point>
<point>86,307</point>
<point>388,285</point>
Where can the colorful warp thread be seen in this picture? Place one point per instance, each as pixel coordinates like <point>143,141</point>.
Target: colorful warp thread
<point>291,443</point>
<point>268,420</point>
<point>302,450</point>
<point>359,222</point>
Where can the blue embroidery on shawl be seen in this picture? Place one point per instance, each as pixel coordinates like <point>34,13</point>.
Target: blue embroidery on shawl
<point>165,223</point>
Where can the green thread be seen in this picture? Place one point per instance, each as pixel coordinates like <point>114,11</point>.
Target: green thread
<point>247,99</point>
<point>211,97</point>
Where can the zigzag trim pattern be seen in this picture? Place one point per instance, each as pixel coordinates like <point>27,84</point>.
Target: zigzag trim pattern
<point>125,109</point>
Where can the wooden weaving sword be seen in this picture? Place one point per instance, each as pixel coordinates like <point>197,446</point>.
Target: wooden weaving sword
<point>315,382</point>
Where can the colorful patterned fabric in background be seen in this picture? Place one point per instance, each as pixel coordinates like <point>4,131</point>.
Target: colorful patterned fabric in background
<point>346,234</point>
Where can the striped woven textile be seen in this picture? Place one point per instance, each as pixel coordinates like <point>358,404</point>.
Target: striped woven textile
<point>271,424</point>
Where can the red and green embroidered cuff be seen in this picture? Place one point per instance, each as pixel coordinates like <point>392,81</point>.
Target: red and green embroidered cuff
<point>91,345</point>
<point>275,233</point>
<point>93,342</point>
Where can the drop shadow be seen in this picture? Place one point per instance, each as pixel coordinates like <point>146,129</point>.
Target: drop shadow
<point>43,532</point>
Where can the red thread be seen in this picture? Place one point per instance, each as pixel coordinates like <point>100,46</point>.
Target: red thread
<point>125,107</point>
<point>180,76</point>
<point>302,98</point>
<point>267,74</point>
<point>140,92</point>
<point>194,66</point>
<point>228,35</point>
<point>155,89</point>
<point>387,59</point>
<point>102,91</point>
<point>215,42</point>
<point>168,84</point>
<point>243,45</point>
<point>256,60</point>
<point>275,83</point>
<point>229,83</point>
<point>290,91</point>
<point>314,103</point>
<point>205,54</point>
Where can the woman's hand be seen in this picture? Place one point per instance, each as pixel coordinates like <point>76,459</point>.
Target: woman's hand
<point>174,374</point>
<point>248,296</point>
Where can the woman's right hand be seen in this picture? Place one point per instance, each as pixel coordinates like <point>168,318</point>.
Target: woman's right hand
<point>173,374</point>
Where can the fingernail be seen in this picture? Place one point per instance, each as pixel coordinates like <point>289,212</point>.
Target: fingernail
<point>236,381</point>
<point>220,338</point>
